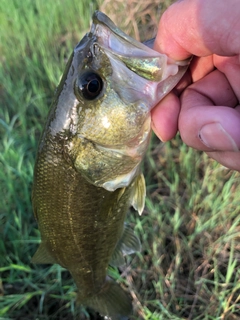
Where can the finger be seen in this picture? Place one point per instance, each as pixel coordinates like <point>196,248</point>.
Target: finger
<point>196,27</point>
<point>230,160</point>
<point>200,67</point>
<point>165,114</point>
<point>208,120</point>
<point>165,117</point>
<point>216,87</point>
<point>230,66</point>
<point>211,128</point>
<point>183,83</point>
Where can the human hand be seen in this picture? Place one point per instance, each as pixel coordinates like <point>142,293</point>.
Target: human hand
<point>204,106</point>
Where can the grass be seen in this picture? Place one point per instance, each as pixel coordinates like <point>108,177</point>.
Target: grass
<point>190,228</point>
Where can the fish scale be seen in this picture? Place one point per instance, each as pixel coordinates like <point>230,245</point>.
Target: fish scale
<point>88,167</point>
<point>66,237</point>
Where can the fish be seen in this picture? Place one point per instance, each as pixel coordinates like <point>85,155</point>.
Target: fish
<point>88,167</point>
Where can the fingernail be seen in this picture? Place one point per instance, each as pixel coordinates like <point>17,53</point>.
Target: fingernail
<point>156,132</point>
<point>214,136</point>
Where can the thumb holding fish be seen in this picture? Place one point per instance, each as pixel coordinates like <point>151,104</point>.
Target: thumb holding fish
<point>204,106</point>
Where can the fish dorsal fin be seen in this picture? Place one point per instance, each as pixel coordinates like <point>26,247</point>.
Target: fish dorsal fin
<point>139,194</point>
<point>42,256</point>
<point>128,244</point>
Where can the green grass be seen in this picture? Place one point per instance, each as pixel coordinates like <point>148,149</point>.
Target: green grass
<point>190,228</point>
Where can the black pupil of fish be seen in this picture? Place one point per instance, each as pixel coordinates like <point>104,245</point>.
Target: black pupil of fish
<point>90,85</point>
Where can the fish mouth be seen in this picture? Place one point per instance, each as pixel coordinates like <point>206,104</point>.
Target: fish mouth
<point>116,38</point>
<point>137,56</point>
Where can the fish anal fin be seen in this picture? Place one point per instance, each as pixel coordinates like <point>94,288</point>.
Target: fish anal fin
<point>128,244</point>
<point>139,194</point>
<point>42,255</point>
<point>111,301</point>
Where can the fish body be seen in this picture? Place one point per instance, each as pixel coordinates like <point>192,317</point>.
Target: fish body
<point>87,172</point>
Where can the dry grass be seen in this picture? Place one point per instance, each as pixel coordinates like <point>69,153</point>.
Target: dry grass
<point>142,18</point>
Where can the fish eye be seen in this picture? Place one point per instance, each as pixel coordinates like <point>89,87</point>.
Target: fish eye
<point>90,85</point>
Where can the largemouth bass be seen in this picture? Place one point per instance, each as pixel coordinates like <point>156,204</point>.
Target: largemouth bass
<point>87,171</point>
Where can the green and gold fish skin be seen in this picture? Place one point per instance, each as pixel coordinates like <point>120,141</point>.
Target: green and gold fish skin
<point>87,172</point>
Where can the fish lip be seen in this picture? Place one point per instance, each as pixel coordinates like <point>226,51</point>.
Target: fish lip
<point>117,44</point>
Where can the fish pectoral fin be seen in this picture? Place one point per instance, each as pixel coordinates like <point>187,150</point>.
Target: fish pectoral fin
<point>111,301</point>
<point>42,256</point>
<point>139,194</point>
<point>128,244</point>
<point>117,259</point>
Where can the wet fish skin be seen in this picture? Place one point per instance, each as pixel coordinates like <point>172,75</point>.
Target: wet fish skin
<point>87,171</point>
